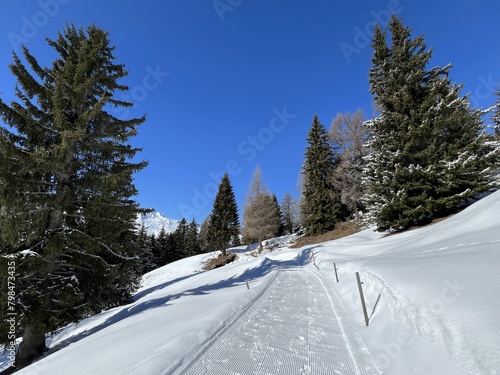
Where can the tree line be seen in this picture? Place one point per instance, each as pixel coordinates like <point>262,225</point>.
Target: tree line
<point>67,213</point>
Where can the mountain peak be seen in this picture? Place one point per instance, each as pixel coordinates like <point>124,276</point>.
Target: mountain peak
<point>154,221</point>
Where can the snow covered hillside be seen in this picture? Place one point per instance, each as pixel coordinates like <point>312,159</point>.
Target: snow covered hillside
<point>431,295</point>
<point>154,221</point>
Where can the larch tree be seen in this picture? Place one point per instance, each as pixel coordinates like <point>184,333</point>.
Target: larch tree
<point>289,213</point>
<point>320,200</point>
<point>350,134</point>
<point>429,153</point>
<point>224,224</point>
<point>66,192</point>
<point>261,218</point>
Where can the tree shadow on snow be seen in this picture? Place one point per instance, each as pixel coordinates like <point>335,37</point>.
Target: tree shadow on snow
<point>303,257</point>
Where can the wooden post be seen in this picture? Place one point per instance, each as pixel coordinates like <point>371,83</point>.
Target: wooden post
<point>335,268</point>
<point>362,298</point>
<point>248,286</point>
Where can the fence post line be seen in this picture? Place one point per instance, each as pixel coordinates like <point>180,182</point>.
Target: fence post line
<point>335,268</point>
<point>362,298</point>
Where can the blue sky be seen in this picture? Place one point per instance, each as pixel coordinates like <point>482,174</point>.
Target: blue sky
<point>229,84</point>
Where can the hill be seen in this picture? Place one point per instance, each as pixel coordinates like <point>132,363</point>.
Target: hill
<point>430,297</point>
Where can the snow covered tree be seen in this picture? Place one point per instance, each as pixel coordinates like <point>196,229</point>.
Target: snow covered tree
<point>224,224</point>
<point>261,219</point>
<point>289,213</point>
<point>350,134</point>
<point>66,190</point>
<point>428,146</point>
<point>320,201</point>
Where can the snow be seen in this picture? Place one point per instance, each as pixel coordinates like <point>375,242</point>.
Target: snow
<point>154,221</point>
<point>431,299</point>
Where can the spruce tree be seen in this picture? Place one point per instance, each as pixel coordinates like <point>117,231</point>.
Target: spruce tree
<point>66,191</point>
<point>320,201</point>
<point>193,246</point>
<point>428,146</point>
<point>224,224</point>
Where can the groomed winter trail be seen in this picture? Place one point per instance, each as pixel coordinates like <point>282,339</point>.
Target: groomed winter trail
<point>297,326</point>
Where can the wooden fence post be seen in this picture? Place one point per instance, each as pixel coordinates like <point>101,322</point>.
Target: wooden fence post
<point>362,298</point>
<point>335,268</point>
<point>248,286</point>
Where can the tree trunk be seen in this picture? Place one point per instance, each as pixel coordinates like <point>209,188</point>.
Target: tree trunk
<point>31,348</point>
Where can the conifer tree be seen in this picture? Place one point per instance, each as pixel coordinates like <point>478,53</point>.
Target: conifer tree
<point>162,247</point>
<point>428,146</point>
<point>145,251</point>
<point>66,190</point>
<point>320,201</point>
<point>224,224</point>
<point>261,218</point>
<point>193,246</point>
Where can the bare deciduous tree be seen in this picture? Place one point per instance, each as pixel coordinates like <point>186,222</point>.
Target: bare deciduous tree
<point>349,133</point>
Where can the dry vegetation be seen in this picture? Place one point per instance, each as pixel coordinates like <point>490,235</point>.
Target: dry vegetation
<point>219,261</point>
<point>341,230</point>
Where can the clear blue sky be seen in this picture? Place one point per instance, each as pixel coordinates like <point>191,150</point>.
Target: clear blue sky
<point>230,84</point>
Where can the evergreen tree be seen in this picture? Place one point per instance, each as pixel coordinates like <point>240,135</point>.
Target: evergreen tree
<point>66,187</point>
<point>428,146</point>
<point>178,241</point>
<point>224,224</point>
<point>162,248</point>
<point>320,201</point>
<point>261,219</point>
<point>145,250</point>
<point>193,246</point>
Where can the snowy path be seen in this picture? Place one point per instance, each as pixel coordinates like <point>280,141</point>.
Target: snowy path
<point>296,327</point>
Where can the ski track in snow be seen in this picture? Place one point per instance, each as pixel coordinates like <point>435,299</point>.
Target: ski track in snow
<point>295,327</point>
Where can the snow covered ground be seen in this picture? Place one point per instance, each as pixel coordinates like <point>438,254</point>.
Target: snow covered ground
<point>432,299</point>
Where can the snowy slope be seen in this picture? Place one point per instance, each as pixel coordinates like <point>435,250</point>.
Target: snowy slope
<point>154,221</point>
<point>431,297</point>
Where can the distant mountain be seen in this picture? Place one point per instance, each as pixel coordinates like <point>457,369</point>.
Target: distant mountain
<point>154,221</point>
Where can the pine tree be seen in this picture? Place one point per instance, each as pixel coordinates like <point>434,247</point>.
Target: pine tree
<point>66,190</point>
<point>350,134</point>
<point>428,148</point>
<point>320,201</point>
<point>261,219</point>
<point>224,224</point>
